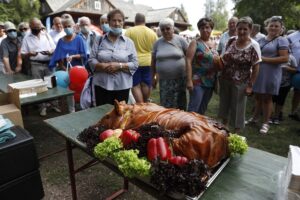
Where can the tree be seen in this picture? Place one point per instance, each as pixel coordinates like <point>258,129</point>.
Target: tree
<point>260,10</point>
<point>217,11</point>
<point>19,10</point>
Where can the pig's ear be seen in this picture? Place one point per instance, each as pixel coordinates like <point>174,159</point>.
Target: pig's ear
<point>118,108</point>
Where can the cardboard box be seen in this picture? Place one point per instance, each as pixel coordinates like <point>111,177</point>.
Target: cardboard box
<point>29,87</point>
<point>10,107</point>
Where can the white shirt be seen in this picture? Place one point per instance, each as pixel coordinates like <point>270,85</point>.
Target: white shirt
<point>32,43</point>
<point>56,35</point>
<point>294,40</point>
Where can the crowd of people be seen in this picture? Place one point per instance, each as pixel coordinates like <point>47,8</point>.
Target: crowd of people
<point>245,62</point>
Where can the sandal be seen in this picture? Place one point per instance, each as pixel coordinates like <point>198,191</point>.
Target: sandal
<point>264,129</point>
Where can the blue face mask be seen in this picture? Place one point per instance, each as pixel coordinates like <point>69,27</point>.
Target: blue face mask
<point>12,35</point>
<point>105,28</point>
<point>116,31</point>
<point>69,31</point>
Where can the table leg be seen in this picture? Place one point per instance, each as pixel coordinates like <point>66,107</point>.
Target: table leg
<point>71,169</point>
<point>118,193</point>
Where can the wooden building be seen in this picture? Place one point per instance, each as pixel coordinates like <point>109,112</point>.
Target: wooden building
<point>94,9</point>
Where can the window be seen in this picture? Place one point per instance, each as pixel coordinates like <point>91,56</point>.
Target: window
<point>176,16</point>
<point>97,5</point>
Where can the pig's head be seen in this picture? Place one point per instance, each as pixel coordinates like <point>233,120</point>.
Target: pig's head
<point>117,118</point>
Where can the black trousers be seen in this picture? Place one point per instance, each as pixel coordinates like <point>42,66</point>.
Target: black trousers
<point>104,96</point>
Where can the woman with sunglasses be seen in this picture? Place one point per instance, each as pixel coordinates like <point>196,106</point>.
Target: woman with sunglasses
<point>168,65</point>
<point>241,57</point>
<point>201,73</point>
<point>274,49</point>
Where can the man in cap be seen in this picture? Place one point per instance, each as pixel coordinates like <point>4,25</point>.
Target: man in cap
<point>9,50</point>
<point>38,47</point>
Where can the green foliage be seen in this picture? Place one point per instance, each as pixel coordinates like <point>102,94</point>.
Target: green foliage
<point>130,164</point>
<point>237,144</point>
<point>260,10</point>
<point>107,147</point>
<point>19,10</point>
<point>217,11</point>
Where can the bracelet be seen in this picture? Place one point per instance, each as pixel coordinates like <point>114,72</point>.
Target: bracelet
<point>121,66</point>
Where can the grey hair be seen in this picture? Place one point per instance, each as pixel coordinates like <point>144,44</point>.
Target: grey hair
<point>67,21</point>
<point>84,18</point>
<point>103,16</point>
<point>166,22</point>
<point>246,20</point>
<point>23,25</point>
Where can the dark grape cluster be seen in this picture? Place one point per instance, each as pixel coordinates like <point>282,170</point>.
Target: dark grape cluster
<point>189,179</point>
<point>147,132</point>
<point>90,136</point>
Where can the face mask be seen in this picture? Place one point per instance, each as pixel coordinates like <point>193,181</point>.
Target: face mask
<point>35,31</point>
<point>12,35</point>
<point>23,34</point>
<point>68,31</point>
<point>85,29</point>
<point>105,28</point>
<point>116,31</point>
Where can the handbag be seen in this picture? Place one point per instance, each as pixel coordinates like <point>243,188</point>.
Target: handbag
<point>87,97</point>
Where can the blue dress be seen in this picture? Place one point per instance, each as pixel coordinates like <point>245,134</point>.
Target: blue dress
<point>63,49</point>
<point>269,76</point>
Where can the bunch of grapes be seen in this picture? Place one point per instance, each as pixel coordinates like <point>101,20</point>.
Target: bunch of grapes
<point>90,136</point>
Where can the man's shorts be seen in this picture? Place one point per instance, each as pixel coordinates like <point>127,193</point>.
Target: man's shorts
<point>142,74</point>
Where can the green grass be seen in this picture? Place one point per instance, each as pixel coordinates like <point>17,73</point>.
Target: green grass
<point>277,140</point>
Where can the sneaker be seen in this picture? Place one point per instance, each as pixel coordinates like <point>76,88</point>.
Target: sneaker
<point>251,120</point>
<point>276,121</point>
<point>264,129</point>
<point>294,116</point>
<point>271,121</point>
<point>56,109</point>
<point>43,112</point>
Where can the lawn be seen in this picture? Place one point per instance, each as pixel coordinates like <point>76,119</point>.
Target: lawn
<point>277,140</point>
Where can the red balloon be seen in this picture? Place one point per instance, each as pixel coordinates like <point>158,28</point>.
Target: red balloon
<point>78,76</point>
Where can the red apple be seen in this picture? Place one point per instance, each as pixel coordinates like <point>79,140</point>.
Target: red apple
<point>106,134</point>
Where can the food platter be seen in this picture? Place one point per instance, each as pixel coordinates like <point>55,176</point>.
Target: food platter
<point>216,172</point>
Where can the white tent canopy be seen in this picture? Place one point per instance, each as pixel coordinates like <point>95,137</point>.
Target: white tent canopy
<point>188,33</point>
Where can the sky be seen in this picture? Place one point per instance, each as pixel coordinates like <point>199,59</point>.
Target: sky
<point>194,8</point>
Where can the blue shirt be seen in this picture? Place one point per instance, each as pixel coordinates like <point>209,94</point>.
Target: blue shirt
<point>89,40</point>
<point>65,49</point>
<point>122,51</point>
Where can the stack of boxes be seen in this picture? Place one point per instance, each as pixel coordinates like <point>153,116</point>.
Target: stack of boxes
<point>19,171</point>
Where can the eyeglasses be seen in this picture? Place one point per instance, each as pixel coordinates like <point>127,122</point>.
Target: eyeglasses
<point>166,29</point>
<point>23,29</point>
<point>9,31</point>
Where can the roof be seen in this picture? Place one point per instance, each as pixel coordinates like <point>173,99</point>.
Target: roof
<point>130,9</point>
<point>158,14</point>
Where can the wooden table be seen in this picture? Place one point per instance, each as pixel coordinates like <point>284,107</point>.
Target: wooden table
<point>250,177</point>
<point>50,94</point>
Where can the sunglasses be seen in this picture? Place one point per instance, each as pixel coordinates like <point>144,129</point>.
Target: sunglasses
<point>166,29</point>
<point>9,31</point>
<point>23,29</point>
